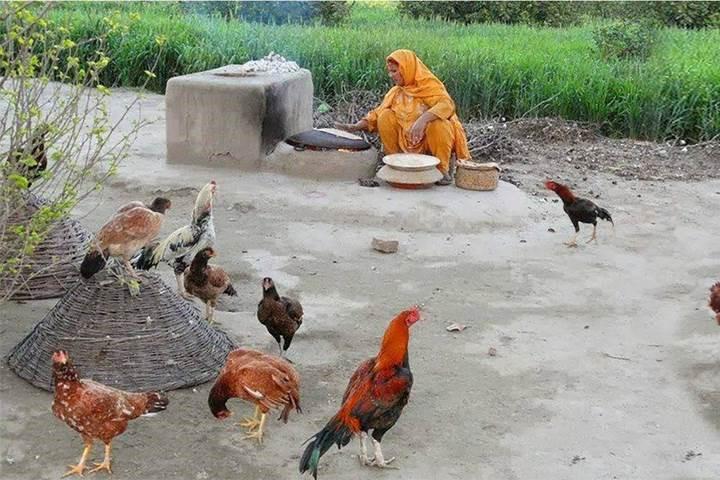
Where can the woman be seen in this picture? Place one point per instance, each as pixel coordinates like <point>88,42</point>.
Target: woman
<point>417,115</point>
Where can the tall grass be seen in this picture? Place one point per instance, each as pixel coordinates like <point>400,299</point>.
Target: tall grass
<point>490,70</point>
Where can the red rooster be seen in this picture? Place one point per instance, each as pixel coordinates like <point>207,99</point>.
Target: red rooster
<point>96,411</point>
<point>715,300</point>
<point>579,210</point>
<point>373,399</point>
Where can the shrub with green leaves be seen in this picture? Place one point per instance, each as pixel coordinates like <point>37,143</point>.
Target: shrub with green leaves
<point>690,14</point>
<point>546,13</point>
<point>274,12</point>
<point>625,39</point>
<point>59,141</point>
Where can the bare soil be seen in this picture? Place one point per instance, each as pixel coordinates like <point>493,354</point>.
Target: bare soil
<point>601,362</point>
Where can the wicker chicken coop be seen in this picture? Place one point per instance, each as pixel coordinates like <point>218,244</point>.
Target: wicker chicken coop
<point>53,267</point>
<point>151,341</point>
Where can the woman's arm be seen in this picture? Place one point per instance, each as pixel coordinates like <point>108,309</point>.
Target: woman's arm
<point>440,107</point>
<point>417,131</point>
<point>360,125</point>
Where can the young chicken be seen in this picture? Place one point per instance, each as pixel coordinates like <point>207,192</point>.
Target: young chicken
<point>714,303</point>
<point>207,282</point>
<point>579,210</point>
<point>35,162</point>
<point>373,400</point>
<point>267,381</point>
<point>131,228</point>
<point>96,411</point>
<point>180,247</point>
<point>282,316</point>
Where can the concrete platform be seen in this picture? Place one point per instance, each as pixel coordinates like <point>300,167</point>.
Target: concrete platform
<point>321,165</point>
<point>218,117</point>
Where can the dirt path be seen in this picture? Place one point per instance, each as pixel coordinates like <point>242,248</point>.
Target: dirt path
<point>607,360</point>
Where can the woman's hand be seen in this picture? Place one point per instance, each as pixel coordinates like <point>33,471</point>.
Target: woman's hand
<point>417,131</point>
<point>352,127</point>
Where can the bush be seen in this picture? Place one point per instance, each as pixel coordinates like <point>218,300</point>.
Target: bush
<point>699,14</point>
<point>625,39</point>
<point>59,140</point>
<point>329,13</point>
<point>682,14</point>
<point>535,12</point>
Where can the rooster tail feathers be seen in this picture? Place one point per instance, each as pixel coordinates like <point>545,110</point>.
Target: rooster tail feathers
<point>230,290</point>
<point>148,257</point>
<point>156,402</point>
<point>335,432</point>
<point>605,215</point>
<point>93,262</point>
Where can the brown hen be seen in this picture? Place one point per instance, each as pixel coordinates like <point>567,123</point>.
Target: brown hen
<point>131,228</point>
<point>282,316</point>
<point>96,411</point>
<point>207,282</point>
<point>714,303</point>
<point>268,381</point>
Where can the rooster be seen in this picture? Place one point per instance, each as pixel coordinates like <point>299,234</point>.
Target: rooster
<point>207,282</point>
<point>282,316</point>
<point>579,210</point>
<point>714,303</point>
<point>35,162</point>
<point>181,246</point>
<point>96,411</point>
<point>373,399</point>
<point>131,228</point>
<point>265,380</point>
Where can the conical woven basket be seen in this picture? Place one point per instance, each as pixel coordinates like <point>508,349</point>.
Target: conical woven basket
<point>53,267</point>
<point>153,341</point>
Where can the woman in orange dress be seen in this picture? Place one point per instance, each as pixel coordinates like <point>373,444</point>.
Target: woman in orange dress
<point>417,115</point>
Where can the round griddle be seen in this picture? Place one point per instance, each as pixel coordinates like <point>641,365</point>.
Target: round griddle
<point>327,139</point>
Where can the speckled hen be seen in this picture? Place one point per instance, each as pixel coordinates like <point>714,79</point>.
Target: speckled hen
<point>96,411</point>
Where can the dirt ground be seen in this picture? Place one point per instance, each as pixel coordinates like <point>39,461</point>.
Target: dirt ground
<point>608,358</point>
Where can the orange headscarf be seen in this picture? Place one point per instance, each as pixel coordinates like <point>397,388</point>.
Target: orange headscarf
<point>419,83</point>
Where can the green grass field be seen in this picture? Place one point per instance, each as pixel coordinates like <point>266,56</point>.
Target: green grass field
<point>491,70</point>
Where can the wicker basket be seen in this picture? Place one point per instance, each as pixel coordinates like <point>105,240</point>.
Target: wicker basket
<point>152,341</point>
<point>53,267</point>
<point>477,176</point>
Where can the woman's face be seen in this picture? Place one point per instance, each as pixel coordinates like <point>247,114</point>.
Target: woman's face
<point>395,75</point>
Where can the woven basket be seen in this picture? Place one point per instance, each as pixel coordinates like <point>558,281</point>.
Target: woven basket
<point>477,176</point>
<point>152,341</point>
<point>53,267</point>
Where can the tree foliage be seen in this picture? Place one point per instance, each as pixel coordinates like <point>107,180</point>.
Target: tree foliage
<point>82,142</point>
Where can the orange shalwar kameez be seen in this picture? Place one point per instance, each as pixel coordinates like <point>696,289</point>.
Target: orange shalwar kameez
<point>402,106</point>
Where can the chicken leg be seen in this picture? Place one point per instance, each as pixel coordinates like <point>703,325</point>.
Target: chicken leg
<point>209,313</point>
<point>379,460</point>
<point>594,236</point>
<point>181,287</point>
<point>363,450</point>
<point>258,434</point>
<point>130,270</point>
<point>251,422</point>
<point>80,467</point>
<point>105,465</point>
<point>573,241</point>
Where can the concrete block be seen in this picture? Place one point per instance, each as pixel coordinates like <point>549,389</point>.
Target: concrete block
<point>222,117</point>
